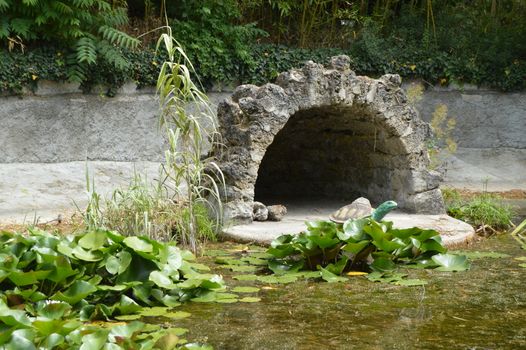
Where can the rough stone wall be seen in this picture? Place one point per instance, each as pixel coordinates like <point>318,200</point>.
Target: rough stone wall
<point>366,121</point>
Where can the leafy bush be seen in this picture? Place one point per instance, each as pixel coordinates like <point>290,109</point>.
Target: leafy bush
<point>483,211</point>
<point>51,282</point>
<point>86,28</point>
<point>213,41</point>
<point>335,248</point>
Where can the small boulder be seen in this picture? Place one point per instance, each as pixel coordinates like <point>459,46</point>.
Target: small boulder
<point>259,211</point>
<point>276,212</point>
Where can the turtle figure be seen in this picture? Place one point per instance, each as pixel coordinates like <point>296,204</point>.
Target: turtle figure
<point>362,208</point>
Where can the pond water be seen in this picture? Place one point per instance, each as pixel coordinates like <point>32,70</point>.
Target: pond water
<point>483,308</point>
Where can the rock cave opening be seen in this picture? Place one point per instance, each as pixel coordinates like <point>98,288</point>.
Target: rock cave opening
<point>329,155</point>
<point>324,134</point>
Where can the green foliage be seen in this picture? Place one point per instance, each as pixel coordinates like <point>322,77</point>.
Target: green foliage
<point>49,282</point>
<point>194,176</point>
<point>334,248</point>
<point>212,38</point>
<point>85,29</point>
<point>485,210</point>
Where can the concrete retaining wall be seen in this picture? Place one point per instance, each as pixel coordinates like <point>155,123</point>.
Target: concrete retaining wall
<point>59,124</point>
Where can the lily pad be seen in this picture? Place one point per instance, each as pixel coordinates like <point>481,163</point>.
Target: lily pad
<point>249,300</point>
<point>331,277</point>
<point>216,252</point>
<point>246,289</point>
<point>240,268</point>
<point>411,282</point>
<point>451,262</point>
<point>245,277</point>
<point>128,317</point>
<point>154,311</point>
<point>177,315</point>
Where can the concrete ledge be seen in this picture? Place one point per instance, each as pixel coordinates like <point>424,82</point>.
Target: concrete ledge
<point>452,231</point>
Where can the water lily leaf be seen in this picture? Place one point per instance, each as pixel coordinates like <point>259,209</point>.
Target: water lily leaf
<point>95,340</point>
<point>118,333</point>
<point>139,244</point>
<point>53,311</point>
<point>75,293</point>
<point>353,229</point>
<point>240,268</point>
<point>127,305</point>
<point>198,266</point>
<point>227,301</point>
<point>405,233</point>
<point>260,255</point>
<point>339,266</point>
<point>385,277</point>
<point>154,311</point>
<point>131,317</point>
<point>245,289</point>
<point>161,280</point>
<point>62,270</point>
<point>250,300</point>
<point>46,326</point>
<point>172,256</point>
<point>411,282</point>
<point>53,340</point>
<point>277,279</point>
<point>85,255</point>
<point>357,247</point>
<point>117,264</point>
<point>383,264</point>
<point>16,318</point>
<point>21,278</point>
<point>521,258</point>
<point>451,262</point>
<point>331,277</point>
<point>93,240</point>
<point>324,242</point>
<point>245,277</point>
<point>283,266</point>
<point>434,244</point>
<point>255,261</point>
<point>21,339</point>
<point>216,252</point>
<point>522,265</point>
<point>177,315</point>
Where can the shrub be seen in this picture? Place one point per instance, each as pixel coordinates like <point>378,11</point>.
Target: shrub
<point>86,28</point>
<point>483,211</point>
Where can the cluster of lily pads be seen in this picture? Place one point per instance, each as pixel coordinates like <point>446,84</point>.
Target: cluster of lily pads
<point>54,287</point>
<point>330,249</point>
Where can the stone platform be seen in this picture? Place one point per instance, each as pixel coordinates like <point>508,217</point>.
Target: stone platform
<point>453,231</point>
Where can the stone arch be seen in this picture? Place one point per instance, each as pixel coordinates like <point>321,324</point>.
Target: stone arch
<point>375,139</point>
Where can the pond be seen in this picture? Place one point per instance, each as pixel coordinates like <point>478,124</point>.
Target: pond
<point>483,308</point>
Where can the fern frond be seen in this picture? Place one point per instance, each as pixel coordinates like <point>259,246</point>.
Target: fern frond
<point>4,28</point>
<point>110,53</point>
<point>86,50</point>
<point>83,3</point>
<point>4,5</point>
<point>21,27</point>
<point>30,2</point>
<point>117,37</point>
<point>62,8</point>
<point>76,71</point>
